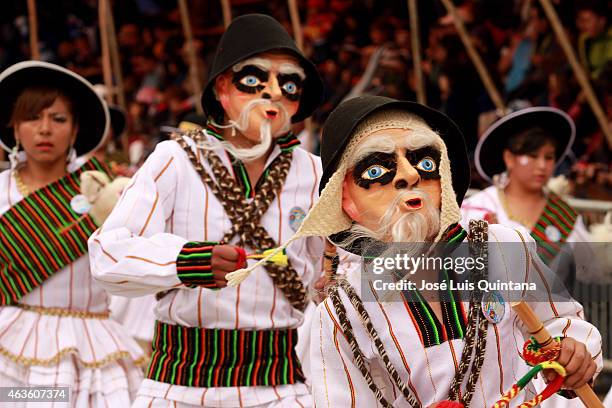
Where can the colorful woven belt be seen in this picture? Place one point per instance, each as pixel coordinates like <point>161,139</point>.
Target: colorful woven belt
<point>201,357</point>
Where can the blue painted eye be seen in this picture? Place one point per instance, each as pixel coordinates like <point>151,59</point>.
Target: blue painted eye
<point>374,172</point>
<point>290,87</point>
<point>427,164</point>
<point>250,80</point>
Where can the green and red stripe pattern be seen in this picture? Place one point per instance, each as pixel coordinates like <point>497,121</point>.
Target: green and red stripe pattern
<point>454,322</point>
<point>560,215</point>
<point>42,234</point>
<point>193,264</point>
<point>201,357</point>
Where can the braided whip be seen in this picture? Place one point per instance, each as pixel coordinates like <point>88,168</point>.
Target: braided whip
<point>541,359</point>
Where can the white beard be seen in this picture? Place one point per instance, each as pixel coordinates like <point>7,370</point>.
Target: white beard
<point>410,228</point>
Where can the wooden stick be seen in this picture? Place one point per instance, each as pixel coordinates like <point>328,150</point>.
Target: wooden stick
<point>227,12</point>
<point>106,64</point>
<point>33,29</point>
<point>416,50</point>
<point>295,23</point>
<point>581,76</point>
<point>536,328</point>
<point>298,35</point>
<point>475,57</point>
<point>115,59</point>
<point>193,60</point>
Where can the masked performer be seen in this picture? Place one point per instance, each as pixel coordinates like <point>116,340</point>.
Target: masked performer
<point>396,172</point>
<point>198,206</point>
<point>54,325</point>
<point>518,154</point>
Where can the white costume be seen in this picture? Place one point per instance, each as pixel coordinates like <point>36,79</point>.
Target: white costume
<point>60,334</point>
<point>135,254</point>
<point>487,203</point>
<point>429,370</point>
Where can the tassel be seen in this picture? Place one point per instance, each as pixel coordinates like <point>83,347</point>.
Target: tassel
<point>279,258</point>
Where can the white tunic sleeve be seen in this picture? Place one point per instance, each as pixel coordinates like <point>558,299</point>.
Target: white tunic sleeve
<point>132,255</point>
<point>561,315</point>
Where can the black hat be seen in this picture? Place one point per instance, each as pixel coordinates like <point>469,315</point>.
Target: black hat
<point>254,34</point>
<point>490,147</point>
<point>118,120</point>
<point>93,116</point>
<point>343,121</point>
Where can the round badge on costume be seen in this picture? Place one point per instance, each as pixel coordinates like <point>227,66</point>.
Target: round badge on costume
<point>493,306</point>
<point>553,233</point>
<point>79,204</point>
<point>296,216</point>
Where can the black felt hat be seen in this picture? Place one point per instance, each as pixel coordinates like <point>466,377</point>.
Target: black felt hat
<point>93,115</point>
<point>342,122</point>
<point>254,34</point>
<point>489,150</point>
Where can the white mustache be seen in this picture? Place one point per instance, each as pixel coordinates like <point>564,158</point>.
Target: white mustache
<point>265,131</point>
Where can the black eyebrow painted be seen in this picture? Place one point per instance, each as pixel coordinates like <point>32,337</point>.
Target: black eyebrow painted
<point>415,156</point>
<point>249,70</point>
<point>388,160</point>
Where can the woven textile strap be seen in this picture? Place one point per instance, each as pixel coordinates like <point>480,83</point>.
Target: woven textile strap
<point>201,357</point>
<point>475,339</point>
<point>245,216</point>
<point>42,234</point>
<point>559,216</point>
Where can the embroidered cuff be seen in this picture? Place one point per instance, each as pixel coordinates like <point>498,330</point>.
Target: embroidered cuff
<point>193,264</point>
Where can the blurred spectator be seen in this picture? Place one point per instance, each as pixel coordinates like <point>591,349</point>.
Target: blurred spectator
<point>595,36</point>
<point>359,46</point>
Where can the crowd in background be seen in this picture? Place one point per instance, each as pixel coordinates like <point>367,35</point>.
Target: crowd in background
<point>359,47</point>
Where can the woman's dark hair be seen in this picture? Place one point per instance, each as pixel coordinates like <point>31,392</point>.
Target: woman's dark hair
<point>530,140</point>
<point>34,99</point>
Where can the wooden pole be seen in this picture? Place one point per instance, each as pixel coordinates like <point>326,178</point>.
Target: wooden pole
<point>476,60</point>
<point>536,328</point>
<point>227,12</point>
<point>298,35</point>
<point>115,59</point>
<point>413,13</point>
<point>295,23</point>
<point>106,64</point>
<point>33,29</point>
<point>193,60</point>
<point>578,70</point>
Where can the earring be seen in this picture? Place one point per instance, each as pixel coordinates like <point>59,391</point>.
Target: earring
<point>14,155</point>
<point>72,155</point>
<point>501,180</point>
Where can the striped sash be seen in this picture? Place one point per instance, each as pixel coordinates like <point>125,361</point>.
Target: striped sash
<point>42,234</point>
<point>553,227</point>
<point>200,357</point>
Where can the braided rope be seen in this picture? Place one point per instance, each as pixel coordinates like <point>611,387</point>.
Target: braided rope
<point>357,353</point>
<point>479,236</point>
<point>366,321</point>
<point>245,216</point>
